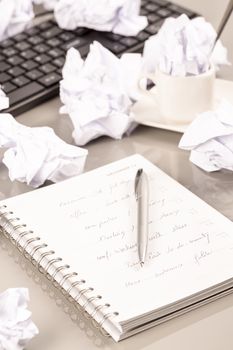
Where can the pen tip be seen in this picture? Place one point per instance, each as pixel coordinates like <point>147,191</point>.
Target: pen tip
<point>141,263</point>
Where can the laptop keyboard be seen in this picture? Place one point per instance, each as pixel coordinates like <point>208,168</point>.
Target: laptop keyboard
<point>31,62</point>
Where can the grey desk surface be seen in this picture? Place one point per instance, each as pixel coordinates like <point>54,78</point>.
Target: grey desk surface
<point>209,327</point>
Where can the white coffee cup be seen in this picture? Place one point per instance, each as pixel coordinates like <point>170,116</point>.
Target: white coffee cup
<point>180,99</point>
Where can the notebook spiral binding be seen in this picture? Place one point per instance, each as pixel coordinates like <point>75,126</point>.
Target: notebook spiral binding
<point>16,232</point>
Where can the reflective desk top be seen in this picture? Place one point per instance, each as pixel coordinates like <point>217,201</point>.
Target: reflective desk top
<point>57,331</point>
<point>209,327</point>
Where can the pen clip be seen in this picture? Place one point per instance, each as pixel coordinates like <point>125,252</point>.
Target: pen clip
<point>136,183</point>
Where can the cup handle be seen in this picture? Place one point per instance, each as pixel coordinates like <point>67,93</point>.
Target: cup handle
<point>142,83</point>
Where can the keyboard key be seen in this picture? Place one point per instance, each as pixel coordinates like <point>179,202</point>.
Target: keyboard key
<point>16,71</point>
<point>48,68</point>
<point>30,64</point>
<point>54,42</point>
<point>114,47</point>
<point>15,60</point>
<point>20,37</point>
<point>153,17</point>
<point>154,28</point>
<point>114,37</point>
<point>129,41</point>
<point>1,58</point>
<point>8,87</point>
<point>142,36</point>
<point>6,43</point>
<point>55,53</point>
<point>35,40</point>
<point>78,42</point>
<point>34,74</point>
<point>42,59</point>
<point>164,12</point>
<point>41,48</point>
<point>28,54</point>
<point>4,77</point>
<point>59,62</point>
<point>22,45</point>
<point>45,25</point>
<point>50,79</point>
<point>152,7</point>
<point>67,36</point>
<point>144,12</point>
<point>20,81</point>
<point>9,51</point>
<point>50,33</point>
<point>32,31</point>
<point>4,66</point>
<point>25,92</point>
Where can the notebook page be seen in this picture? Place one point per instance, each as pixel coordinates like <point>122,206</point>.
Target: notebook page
<point>90,221</point>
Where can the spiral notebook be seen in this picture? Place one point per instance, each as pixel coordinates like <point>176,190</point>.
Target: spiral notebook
<point>81,233</point>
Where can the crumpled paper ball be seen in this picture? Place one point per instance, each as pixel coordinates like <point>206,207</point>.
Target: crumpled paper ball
<point>15,16</point>
<point>36,154</point>
<point>4,100</point>
<point>183,47</point>
<point>210,139</point>
<point>119,16</point>
<point>98,93</point>
<point>16,326</point>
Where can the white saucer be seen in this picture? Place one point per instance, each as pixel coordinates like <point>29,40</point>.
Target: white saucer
<point>146,111</point>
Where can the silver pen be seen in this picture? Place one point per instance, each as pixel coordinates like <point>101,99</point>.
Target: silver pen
<point>223,23</point>
<point>142,199</point>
